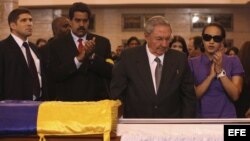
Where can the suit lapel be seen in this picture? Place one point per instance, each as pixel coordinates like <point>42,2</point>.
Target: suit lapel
<point>70,46</point>
<point>144,71</point>
<point>15,49</point>
<point>89,36</point>
<point>167,71</point>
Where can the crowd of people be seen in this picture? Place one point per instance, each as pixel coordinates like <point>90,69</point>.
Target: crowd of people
<point>160,76</point>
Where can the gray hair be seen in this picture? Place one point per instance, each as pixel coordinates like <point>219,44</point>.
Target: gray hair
<point>153,21</point>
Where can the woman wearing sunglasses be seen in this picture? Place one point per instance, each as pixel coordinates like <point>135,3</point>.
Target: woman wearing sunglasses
<point>218,78</point>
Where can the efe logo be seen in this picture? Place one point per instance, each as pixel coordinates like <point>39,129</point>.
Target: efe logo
<point>237,132</point>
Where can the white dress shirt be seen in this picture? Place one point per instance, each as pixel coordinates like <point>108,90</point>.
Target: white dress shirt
<point>75,38</point>
<point>153,64</point>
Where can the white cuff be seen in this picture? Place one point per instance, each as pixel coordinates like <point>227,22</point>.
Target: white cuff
<point>78,63</point>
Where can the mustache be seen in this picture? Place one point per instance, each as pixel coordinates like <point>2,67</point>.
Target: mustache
<point>81,28</point>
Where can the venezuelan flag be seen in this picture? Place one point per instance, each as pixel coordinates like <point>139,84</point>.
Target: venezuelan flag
<point>58,118</point>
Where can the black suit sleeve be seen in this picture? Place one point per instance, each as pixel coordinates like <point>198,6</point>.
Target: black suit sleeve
<point>61,64</point>
<point>119,79</point>
<point>188,94</point>
<point>1,72</point>
<point>99,64</point>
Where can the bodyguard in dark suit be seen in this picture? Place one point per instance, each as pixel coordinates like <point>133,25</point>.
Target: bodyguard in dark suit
<point>21,75</point>
<point>78,60</point>
<point>154,81</point>
<point>60,28</point>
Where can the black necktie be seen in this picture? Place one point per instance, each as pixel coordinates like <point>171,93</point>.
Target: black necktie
<point>33,71</point>
<point>158,71</point>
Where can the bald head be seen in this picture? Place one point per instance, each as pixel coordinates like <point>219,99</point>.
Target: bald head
<point>60,26</point>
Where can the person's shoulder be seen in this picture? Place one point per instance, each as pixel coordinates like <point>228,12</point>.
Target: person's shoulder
<point>231,59</point>
<point>196,59</point>
<point>98,37</point>
<point>135,49</point>
<point>133,52</point>
<point>62,40</point>
<point>51,39</point>
<point>7,39</point>
<point>2,43</point>
<point>176,53</point>
<point>5,42</point>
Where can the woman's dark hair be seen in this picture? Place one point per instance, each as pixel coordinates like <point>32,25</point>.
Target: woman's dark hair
<point>234,49</point>
<point>40,40</point>
<point>79,6</point>
<point>198,43</point>
<point>133,38</point>
<point>245,60</point>
<point>178,38</point>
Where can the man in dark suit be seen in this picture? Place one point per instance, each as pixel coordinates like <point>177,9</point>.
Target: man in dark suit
<point>154,81</point>
<point>78,61</point>
<point>21,76</point>
<point>60,28</point>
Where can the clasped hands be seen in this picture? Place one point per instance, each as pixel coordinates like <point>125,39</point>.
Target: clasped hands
<point>87,50</point>
<point>216,66</point>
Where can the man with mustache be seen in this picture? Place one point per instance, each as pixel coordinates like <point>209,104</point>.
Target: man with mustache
<point>21,74</point>
<point>154,81</point>
<point>78,60</point>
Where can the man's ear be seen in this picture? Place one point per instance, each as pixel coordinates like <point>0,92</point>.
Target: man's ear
<point>12,25</point>
<point>146,36</point>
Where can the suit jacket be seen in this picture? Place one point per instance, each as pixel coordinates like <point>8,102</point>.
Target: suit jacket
<point>132,82</point>
<point>243,104</point>
<point>15,78</point>
<point>45,57</point>
<point>87,83</point>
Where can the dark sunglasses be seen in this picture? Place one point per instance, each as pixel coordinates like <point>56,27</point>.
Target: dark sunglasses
<point>216,38</point>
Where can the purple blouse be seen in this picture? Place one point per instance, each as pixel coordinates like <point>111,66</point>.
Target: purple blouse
<point>215,103</point>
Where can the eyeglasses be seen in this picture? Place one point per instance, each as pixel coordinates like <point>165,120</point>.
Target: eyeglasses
<point>216,38</point>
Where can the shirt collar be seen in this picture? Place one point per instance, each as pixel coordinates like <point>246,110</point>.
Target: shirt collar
<point>18,40</point>
<point>151,57</point>
<point>75,38</point>
<point>205,59</point>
